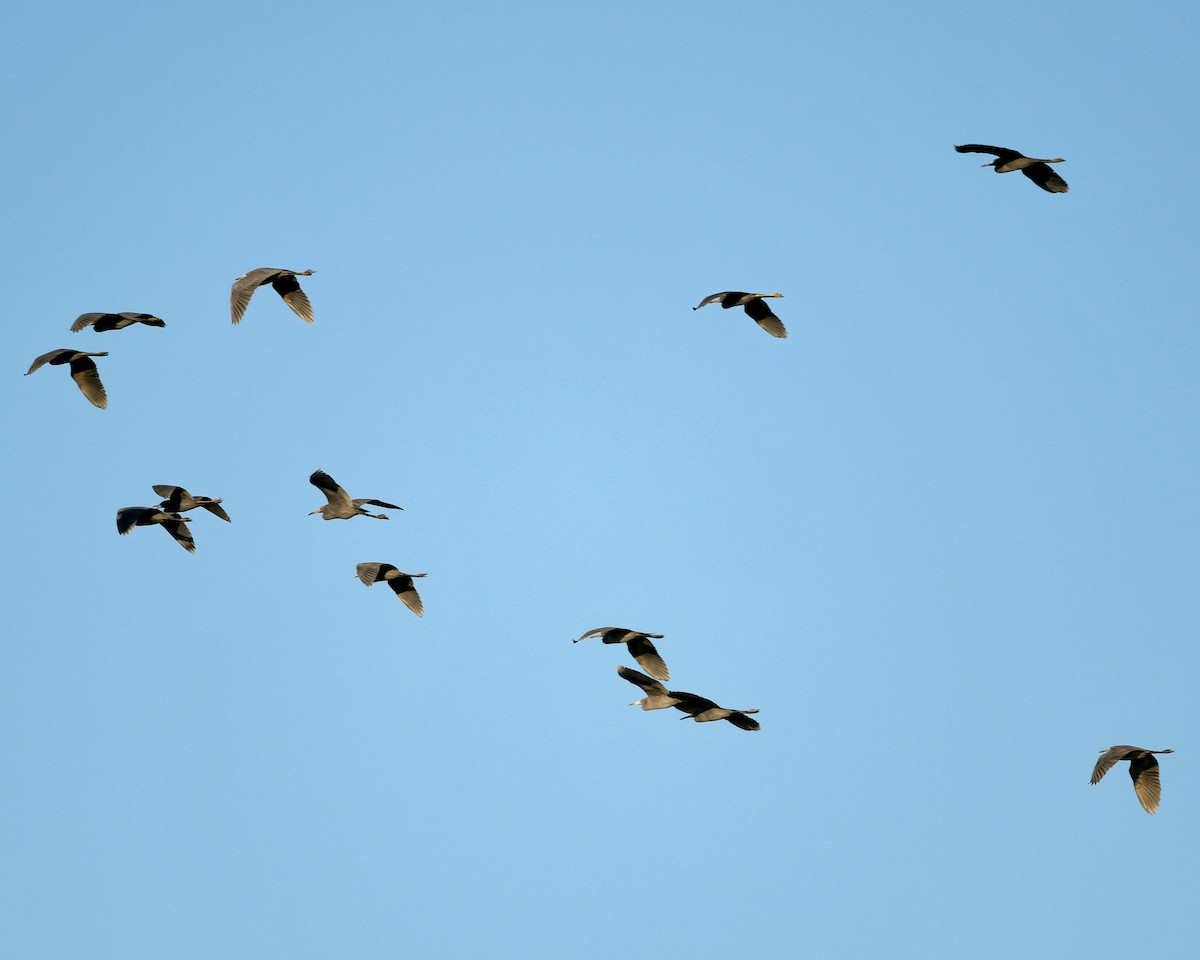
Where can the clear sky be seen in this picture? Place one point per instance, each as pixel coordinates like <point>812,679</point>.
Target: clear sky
<point>944,537</point>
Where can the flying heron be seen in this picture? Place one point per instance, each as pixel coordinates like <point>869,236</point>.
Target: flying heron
<point>755,306</point>
<point>400,582</point>
<point>640,648</point>
<point>1009,160</point>
<point>173,523</point>
<point>1143,769</point>
<point>285,284</point>
<point>340,506</point>
<point>657,696</point>
<point>703,710</point>
<point>83,371</point>
<point>178,500</point>
<point>103,322</point>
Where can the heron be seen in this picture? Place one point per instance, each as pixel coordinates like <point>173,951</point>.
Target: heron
<point>640,648</point>
<point>340,506</point>
<point>1009,160</point>
<point>657,696</point>
<point>703,710</point>
<point>755,307</point>
<point>83,372</point>
<point>1143,769</point>
<point>400,582</point>
<point>178,500</point>
<point>103,322</point>
<point>285,284</point>
<point>173,523</point>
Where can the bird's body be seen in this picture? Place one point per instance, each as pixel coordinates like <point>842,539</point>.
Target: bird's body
<point>178,500</point>
<point>103,322</point>
<point>285,284</point>
<point>340,506</point>
<point>703,710</point>
<point>1009,160</point>
<point>400,582</point>
<point>83,372</point>
<point>1143,770</point>
<point>755,306</point>
<point>657,696</point>
<point>173,523</point>
<point>640,648</point>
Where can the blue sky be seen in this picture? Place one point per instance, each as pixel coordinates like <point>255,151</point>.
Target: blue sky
<point>942,537</point>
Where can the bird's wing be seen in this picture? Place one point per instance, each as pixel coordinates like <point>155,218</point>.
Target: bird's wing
<point>328,486</point>
<point>1044,176</point>
<point>637,678</point>
<point>167,491</point>
<point>243,289</point>
<point>127,518</point>
<point>369,573</point>
<point>1144,771</point>
<point>712,298</point>
<point>215,508</point>
<point>762,315</point>
<point>85,320</point>
<point>84,372</point>
<point>1107,759</point>
<point>45,358</point>
<point>183,536</point>
<point>288,287</point>
<point>644,652</point>
<point>1004,153</point>
<point>404,589</point>
<point>743,721</point>
<point>376,503</point>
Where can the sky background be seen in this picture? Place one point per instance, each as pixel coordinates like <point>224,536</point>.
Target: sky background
<point>943,537</point>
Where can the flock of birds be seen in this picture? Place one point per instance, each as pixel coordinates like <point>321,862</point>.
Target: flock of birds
<point>1143,767</point>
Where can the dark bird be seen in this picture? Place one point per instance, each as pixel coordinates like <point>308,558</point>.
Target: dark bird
<point>1009,160</point>
<point>640,648</point>
<point>400,582</point>
<point>103,322</point>
<point>657,696</point>
<point>178,500</point>
<point>1143,768</point>
<point>173,523</point>
<point>285,284</point>
<point>83,371</point>
<point>340,506</point>
<point>703,710</point>
<point>755,307</point>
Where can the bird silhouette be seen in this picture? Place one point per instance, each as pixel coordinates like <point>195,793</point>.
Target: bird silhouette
<point>1009,160</point>
<point>285,284</point>
<point>173,523</point>
<point>340,506</point>
<point>754,305</point>
<point>1143,769</point>
<point>178,500</point>
<point>400,582</point>
<point>103,322</point>
<point>83,371</point>
<point>640,648</point>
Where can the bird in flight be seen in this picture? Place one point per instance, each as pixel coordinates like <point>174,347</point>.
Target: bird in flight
<point>285,284</point>
<point>755,306</point>
<point>1143,769</point>
<point>1009,160</point>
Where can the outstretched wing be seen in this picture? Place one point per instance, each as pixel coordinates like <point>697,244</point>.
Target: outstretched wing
<point>644,652</point>
<point>762,315</point>
<point>288,287</point>
<point>1004,153</point>
<point>84,372</point>
<point>1144,771</point>
<point>1044,176</point>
